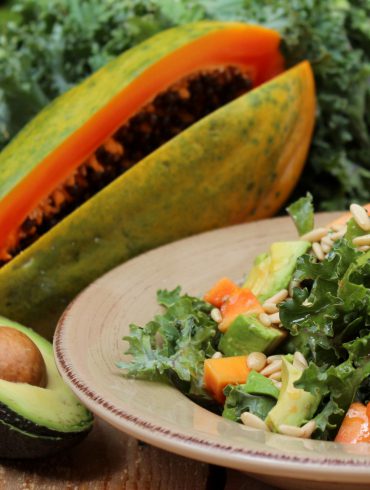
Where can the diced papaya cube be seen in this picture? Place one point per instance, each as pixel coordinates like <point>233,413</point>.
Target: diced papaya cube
<point>355,425</point>
<point>220,292</point>
<point>221,372</point>
<point>240,301</point>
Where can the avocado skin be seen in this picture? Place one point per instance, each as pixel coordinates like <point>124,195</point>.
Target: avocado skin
<point>16,444</point>
<point>247,334</point>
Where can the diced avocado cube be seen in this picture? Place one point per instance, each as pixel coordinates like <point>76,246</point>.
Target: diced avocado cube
<point>272,271</point>
<point>294,406</point>
<point>247,334</point>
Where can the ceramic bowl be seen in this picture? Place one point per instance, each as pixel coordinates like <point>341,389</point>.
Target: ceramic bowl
<point>88,343</point>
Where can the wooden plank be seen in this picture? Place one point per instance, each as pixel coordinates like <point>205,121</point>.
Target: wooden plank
<point>106,460</point>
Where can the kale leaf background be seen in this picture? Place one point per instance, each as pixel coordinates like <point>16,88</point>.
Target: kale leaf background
<point>47,46</point>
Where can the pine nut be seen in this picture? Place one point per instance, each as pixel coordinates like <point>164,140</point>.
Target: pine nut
<point>291,430</point>
<point>317,250</point>
<point>217,355</point>
<point>298,356</point>
<point>274,318</point>
<point>216,315</point>
<point>256,361</point>
<point>264,319</point>
<point>251,420</point>
<point>327,240</point>
<point>360,216</point>
<point>276,357</point>
<point>325,247</point>
<point>314,235</point>
<point>278,297</point>
<point>339,234</point>
<point>270,308</point>
<point>364,248</point>
<point>276,376</point>
<point>361,240</point>
<point>272,368</point>
<point>299,365</point>
<point>308,429</point>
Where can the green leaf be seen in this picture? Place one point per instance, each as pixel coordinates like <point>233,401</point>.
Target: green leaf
<point>333,306</point>
<point>238,400</point>
<point>257,384</point>
<point>174,345</point>
<point>302,213</point>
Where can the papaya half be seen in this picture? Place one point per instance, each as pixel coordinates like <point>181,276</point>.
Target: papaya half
<point>196,128</point>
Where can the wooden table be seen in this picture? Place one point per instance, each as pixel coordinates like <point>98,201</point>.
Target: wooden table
<point>108,460</point>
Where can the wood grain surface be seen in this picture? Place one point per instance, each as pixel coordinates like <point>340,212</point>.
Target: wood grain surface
<point>108,460</point>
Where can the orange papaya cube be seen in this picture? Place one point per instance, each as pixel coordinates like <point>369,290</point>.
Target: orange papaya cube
<point>220,292</point>
<point>224,371</point>
<point>355,425</point>
<point>240,301</point>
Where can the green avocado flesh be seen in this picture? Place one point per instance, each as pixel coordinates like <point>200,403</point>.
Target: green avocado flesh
<point>37,421</point>
<point>246,334</point>
<point>294,406</point>
<point>272,271</point>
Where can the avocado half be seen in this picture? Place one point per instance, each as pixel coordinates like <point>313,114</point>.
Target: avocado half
<point>37,422</point>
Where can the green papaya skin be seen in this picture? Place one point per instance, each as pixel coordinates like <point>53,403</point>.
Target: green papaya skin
<point>202,179</point>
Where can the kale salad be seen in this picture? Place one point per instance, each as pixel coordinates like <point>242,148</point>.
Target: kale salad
<point>287,350</point>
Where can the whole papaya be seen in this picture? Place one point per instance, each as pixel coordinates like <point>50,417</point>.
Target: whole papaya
<point>196,128</point>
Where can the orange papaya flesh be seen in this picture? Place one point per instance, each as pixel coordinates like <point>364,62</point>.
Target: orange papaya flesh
<point>241,301</point>
<point>355,426</point>
<point>218,373</point>
<point>155,201</point>
<point>148,105</point>
<point>220,292</point>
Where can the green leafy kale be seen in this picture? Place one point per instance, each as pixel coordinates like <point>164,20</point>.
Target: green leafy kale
<point>49,46</point>
<point>258,396</point>
<point>337,385</point>
<point>333,308</point>
<point>302,213</point>
<point>173,346</point>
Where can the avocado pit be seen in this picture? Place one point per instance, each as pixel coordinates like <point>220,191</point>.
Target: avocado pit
<point>168,114</point>
<point>20,359</point>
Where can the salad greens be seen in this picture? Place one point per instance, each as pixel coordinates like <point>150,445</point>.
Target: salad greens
<point>301,212</point>
<point>327,316</point>
<point>332,309</point>
<point>258,396</point>
<point>173,346</point>
<point>49,46</point>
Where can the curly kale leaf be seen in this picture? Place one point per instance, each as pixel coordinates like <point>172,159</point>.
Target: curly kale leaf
<point>337,386</point>
<point>174,345</point>
<point>333,307</point>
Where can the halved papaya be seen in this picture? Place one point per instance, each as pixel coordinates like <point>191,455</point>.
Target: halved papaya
<point>191,130</point>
